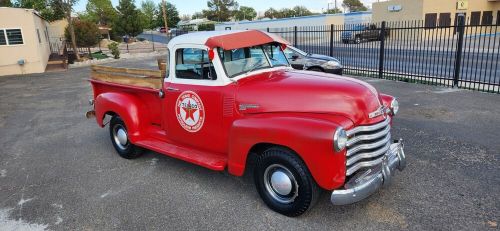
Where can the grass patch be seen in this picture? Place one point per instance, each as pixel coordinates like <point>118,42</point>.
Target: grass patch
<point>99,55</point>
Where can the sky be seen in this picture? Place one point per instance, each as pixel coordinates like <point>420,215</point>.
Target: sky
<point>191,6</point>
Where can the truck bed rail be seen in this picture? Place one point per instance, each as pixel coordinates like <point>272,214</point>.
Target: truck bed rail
<point>128,76</point>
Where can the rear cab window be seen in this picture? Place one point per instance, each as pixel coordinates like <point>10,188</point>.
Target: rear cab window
<point>193,63</point>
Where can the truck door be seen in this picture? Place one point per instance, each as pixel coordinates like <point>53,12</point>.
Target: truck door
<point>194,111</point>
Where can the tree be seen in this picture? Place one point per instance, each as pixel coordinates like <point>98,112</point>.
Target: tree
<point>100,12</point>
<point>206,27</point>
<point>286,13</point>
<point>301,11</point>
<point>185,17</point>
<point>86,34</point>
<point>245,12</point>
<point>172,16</point>
<point>333,11</point>
<point>354,5</point>
<point>129,19</point>
<point>5,3</point>
<point>67,7</point>
<point>271,13</point>
<point>197,15</point>
<point>49,9</point>
<point>220,10</point>
<point>148,9</point>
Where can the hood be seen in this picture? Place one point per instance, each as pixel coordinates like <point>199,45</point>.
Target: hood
<point>322,57</point>
<point>290,90</point>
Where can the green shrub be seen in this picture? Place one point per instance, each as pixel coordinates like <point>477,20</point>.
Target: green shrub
<point>114,50</point>
<point>206,27</point>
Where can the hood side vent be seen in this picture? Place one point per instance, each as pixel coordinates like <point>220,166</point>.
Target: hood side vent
<point>227,106</point>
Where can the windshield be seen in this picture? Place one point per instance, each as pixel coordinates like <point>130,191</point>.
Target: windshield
<point>303,53</point>
<point>243,60</point>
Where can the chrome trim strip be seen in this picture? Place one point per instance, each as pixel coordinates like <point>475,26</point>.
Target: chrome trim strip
<point>356,139</point>
<point>379,143</point>
<point>363,185</point>
<point>379,152</point>
<point>359,165</point>
<point>369,127</point>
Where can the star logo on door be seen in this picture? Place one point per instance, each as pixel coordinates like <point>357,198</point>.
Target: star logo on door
<point>189,111</point>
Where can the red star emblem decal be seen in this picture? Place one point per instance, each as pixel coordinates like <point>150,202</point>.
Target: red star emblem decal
<point>190,110</point>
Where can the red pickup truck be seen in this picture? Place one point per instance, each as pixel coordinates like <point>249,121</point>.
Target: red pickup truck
<point>226,95</point>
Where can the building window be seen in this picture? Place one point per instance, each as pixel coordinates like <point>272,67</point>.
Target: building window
<point>3,39</point>
<point>430,20</point>
<point>475,18</point>
<point>38,33</point>
<point>487,18</point>
<point>14,37</point>
<point>444,19</point>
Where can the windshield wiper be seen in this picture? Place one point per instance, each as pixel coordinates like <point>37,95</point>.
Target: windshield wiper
<point>255,66</point>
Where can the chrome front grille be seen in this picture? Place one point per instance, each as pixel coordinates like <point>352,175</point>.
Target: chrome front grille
<point>366,145</point>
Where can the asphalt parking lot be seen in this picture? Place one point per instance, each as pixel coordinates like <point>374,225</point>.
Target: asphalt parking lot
<point>59,171</point>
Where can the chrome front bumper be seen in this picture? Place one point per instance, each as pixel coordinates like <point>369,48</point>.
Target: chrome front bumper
<point>365,183</point>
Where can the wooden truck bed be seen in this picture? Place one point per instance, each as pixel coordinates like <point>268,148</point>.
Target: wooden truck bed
<point>128,76</point>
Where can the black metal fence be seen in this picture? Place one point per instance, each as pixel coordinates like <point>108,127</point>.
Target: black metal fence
<point>461,55</point>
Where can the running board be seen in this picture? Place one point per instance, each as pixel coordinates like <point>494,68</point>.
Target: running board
<point>204,159</point>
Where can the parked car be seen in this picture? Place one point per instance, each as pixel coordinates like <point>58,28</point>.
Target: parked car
<point>302,60</point>
<point>224,99</point>
<point>360,33</point>
<point>163,30</point>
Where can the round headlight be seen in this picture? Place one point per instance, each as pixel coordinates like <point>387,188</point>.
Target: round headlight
<point>334,63</point>
<point>339,139</point>
<point>394,106</point>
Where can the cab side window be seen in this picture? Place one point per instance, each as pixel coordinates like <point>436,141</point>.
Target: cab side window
<point>193,63</point>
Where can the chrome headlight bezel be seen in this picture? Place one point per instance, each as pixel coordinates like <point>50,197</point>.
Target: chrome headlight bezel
<point>339,139</point>
<point>394,106</point>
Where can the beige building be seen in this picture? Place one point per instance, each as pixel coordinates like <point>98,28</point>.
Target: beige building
<point>24,41</point>
<point>438,12</point>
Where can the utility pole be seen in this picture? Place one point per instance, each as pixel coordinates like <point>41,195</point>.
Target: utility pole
<point>164,6</point>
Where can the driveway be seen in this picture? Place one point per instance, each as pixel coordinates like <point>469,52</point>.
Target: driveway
<point>59,171</point>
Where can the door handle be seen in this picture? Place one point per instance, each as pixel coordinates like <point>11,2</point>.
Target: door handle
<point>172,89</point>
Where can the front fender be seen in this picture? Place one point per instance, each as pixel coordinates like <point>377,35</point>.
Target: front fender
<point>310,136</point>
<point>126,106</point>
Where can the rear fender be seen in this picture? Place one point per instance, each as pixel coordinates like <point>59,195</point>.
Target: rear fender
<point>126,106</point>
<point>310,137</point>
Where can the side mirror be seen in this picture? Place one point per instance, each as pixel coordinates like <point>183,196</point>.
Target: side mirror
<point>295,57</point>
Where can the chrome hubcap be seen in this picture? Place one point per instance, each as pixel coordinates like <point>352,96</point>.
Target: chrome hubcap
<point>120,136</point>
<point>280,183</point>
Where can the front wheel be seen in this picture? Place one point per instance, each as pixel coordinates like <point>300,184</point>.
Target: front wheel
<point>119,138</point>
<point>284,182</point>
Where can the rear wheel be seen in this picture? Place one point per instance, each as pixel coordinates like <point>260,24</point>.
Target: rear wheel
<point>119,138</point>
<point>284,182</point>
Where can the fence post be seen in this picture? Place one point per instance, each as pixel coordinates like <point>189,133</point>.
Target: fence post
<point>382,51</point>
<point>295,36</point>
<point>458,58</point>
<point>331,39</point>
